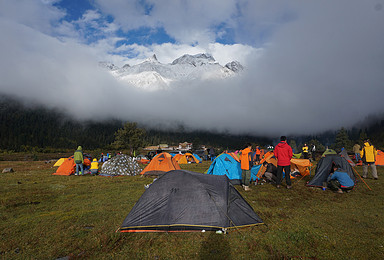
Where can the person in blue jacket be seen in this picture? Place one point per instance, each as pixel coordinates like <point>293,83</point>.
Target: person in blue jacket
<point>340,181</point>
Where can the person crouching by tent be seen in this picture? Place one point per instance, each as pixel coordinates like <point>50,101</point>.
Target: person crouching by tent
<point>246,165</point>
<point>79,160</point>
<point>270,172</point>
<point>283,153</point>
<point>94,167</point>
<point>340,181</point>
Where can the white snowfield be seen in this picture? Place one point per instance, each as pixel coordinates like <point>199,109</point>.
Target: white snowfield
<point>153,75</point>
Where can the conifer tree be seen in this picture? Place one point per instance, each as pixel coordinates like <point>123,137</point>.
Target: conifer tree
<point>342,140</point>
<point>129,137</point>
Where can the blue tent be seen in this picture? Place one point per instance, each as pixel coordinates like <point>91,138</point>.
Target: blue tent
<point>225,164</point>
<point>198,157</point>
<point>255,169</point>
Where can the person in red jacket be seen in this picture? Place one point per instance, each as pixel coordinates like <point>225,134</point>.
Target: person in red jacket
<point>283,154</point>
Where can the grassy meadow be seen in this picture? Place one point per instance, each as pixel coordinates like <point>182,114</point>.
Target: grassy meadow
<point>43,216</point>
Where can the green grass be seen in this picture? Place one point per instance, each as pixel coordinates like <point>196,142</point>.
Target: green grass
<point>43,216</point>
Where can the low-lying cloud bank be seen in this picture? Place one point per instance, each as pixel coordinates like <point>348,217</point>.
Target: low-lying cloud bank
<point>320,71</point>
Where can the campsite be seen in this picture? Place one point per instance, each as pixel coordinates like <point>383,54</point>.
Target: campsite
<point>45,216</point>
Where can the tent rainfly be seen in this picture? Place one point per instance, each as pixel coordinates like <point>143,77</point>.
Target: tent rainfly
<point>161,164</point>
<point>188,201</point>
<point>324,168</point>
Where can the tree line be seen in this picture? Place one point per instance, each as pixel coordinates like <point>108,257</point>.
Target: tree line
<point>24,128</point>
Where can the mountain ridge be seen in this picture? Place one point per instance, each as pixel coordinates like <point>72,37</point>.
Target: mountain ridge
<point>153,75</point>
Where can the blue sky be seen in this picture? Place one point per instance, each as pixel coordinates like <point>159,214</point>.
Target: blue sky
<point>153,23</point>
<point>303,59</point>
<point>143,35</point>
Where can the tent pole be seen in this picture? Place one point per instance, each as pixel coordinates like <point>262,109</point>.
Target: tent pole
<point>304,176</point>
<point>300,179</point>
<point>361,178</point>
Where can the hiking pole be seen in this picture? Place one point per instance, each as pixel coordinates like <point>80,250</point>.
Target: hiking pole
<point>361,178</point>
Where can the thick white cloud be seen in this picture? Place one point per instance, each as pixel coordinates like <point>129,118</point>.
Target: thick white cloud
<point>186,21</point>
<point>311,66</point>
<point>37,14</point>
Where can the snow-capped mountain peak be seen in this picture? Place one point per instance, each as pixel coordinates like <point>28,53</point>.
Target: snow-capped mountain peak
<point>153,75</point>
<point>152,59</point>
<point>195,60</point>
<point>235,66</point>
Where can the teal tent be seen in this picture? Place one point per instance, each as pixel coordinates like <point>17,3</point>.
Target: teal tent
<point>225,164</point>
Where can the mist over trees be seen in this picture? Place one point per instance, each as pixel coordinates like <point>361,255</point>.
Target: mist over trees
<point>29,127</point>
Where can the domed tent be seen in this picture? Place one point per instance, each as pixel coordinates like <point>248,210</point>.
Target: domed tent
<point>161,164</point>
<point>226,164</point>
<point>186,158</point>
<point>59,162</point>
<point>379,158</point>
<point>120,165</point>
<point>68,166</point>
<point>344,154</point>
<point>189,201</point>
<point>324,168</point>
<point>300,166</point>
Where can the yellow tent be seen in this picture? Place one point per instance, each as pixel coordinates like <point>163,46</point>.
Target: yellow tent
<point>59,162</point>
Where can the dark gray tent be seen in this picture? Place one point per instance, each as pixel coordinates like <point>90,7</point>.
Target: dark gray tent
<point>189,201</point>
<point>324,168</point>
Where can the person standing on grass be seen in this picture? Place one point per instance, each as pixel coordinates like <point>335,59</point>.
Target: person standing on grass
<point>356,150</point>
<point>368,156</point>
<point>258,155</point>
<point>305,151</point>
<point>246,165</point>
<point>212,154</point>
<point>283,153</point>
<point>79,160</point>
<point>313,151</point>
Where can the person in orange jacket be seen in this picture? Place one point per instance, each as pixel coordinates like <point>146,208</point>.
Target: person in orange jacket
<point>246,165</point>
<point>258,155</point>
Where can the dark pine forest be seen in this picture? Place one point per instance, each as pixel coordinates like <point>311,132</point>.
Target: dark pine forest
<point>26,127</point>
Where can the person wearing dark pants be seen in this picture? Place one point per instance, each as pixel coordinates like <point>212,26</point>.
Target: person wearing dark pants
<point>283,153</point>
<point>287,171</point>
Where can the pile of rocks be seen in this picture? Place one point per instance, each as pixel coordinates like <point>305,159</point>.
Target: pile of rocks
<point>121,165</point>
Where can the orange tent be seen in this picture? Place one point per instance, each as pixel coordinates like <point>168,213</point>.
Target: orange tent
<point>235,156</point>
<point>301,165</point>
<point>68,167</point>
<point>186,158</point>
<point>380,158</point>
<point>162,163</point>
<point>267,157</point>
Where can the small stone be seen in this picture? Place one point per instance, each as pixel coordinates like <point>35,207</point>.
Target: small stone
<point>6,170</point>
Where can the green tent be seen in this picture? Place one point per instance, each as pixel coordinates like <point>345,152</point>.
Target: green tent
<point>328,151</point>
<point>296,155</point>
